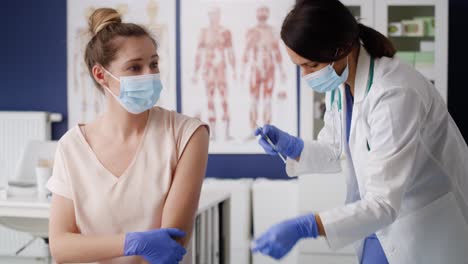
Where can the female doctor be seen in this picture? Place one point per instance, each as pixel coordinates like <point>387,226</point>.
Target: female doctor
<point>407,186</point>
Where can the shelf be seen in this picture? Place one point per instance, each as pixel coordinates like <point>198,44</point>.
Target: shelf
<point>412,44</point>
<point>424,38</point>
<point>397,13</point>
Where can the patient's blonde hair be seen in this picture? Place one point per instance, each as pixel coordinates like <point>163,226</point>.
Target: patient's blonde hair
<point>105,24</point>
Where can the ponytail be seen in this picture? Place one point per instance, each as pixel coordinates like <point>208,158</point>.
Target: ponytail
<point>375,43</point>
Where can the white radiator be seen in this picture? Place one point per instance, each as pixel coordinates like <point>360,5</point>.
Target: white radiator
<point>16,130</point>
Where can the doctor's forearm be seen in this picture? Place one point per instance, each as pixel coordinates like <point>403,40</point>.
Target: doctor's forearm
<point>71,247</point>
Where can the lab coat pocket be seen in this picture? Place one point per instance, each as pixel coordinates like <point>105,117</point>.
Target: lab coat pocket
<point>436,233</point>
<point>358,140</point>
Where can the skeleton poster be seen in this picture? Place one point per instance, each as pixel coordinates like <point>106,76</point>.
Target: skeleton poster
<point>85,101</point>
<point>235,71</point>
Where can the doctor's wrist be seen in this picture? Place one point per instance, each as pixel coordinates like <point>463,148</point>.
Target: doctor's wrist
<point>320,228</point>
<point>307,226</point>
<point>295,148</point>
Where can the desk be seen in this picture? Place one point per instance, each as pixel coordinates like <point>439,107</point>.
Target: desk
<point>210,243</point>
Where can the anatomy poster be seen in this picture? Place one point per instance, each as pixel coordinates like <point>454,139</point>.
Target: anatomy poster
<point>235,71</point>
<point>85,101</point>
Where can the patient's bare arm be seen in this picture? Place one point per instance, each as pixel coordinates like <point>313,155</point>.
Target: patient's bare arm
<point>182,201</point>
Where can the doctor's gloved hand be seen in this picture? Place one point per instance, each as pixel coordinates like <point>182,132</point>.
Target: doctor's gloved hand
<point>285,144</point>
<point>277,241</point>
<point>156,246</point>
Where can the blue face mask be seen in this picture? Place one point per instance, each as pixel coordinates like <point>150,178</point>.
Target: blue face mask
<point>326,79</point>
<point>138,93</point>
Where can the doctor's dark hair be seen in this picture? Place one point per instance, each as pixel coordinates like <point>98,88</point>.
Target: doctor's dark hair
<point>326,31</point>
<point>105,25</point>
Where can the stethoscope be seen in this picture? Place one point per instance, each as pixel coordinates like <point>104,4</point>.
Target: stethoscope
<point>336,109</point>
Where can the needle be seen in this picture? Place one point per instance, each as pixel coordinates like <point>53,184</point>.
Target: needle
<point>270,143</point>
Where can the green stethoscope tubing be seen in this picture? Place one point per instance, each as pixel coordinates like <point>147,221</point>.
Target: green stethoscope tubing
<point>370,81</point>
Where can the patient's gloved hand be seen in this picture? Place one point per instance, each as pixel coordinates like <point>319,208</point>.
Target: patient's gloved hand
<point>277,241</point>
<point>155,246</point>
<point>285,144</point>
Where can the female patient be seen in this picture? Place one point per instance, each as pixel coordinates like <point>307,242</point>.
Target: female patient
<point>126,186</point>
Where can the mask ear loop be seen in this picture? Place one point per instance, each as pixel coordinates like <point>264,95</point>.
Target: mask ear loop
<point>108,89</point>
<point>336,55</point>
<point>112,75</point>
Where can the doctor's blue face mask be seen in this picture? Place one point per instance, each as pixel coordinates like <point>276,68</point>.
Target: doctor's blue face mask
<point>326,79</point>
<point>137,93</point>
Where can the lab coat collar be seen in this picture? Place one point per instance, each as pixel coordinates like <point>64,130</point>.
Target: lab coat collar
<point>362,75</point>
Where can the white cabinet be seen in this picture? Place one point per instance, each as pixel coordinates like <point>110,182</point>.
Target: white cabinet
<point>419,31</point>
<point>274,201</point>
<point>417,28</point>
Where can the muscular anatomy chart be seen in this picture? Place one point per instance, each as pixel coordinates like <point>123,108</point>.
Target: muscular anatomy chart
<point>262,57</point>
<point>235,70</point>
<point>214,54</point>
<point>85,101</point>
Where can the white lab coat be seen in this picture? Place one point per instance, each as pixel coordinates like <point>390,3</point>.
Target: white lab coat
<point>413,182</point>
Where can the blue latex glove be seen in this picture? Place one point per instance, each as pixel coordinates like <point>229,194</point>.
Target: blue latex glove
<point>285,144</point>
<point>277,241</point>
<point>155,246</point>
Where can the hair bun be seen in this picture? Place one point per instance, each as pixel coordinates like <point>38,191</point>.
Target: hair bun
<point>102,18</point>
